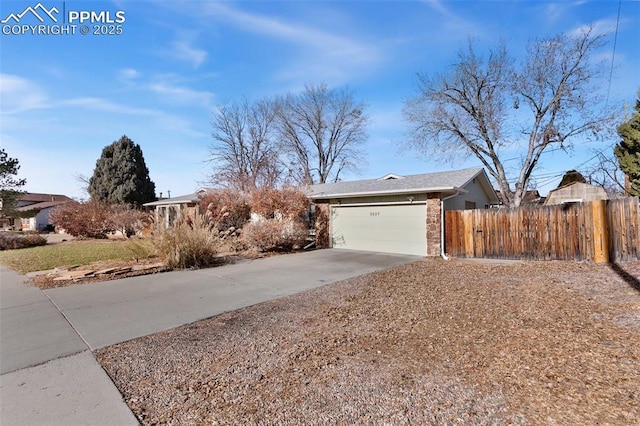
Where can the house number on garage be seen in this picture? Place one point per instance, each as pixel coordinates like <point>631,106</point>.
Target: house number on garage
<point>374,214</point>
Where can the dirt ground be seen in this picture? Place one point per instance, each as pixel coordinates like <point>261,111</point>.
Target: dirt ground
<point>433,342</point>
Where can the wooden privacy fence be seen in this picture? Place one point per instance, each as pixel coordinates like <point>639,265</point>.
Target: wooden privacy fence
<point>601,231</point>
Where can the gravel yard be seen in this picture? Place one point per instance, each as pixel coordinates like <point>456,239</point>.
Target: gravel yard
<point>457,342</point>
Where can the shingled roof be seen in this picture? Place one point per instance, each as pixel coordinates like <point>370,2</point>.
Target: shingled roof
<point>182,199</point>
<point>30,201</point>
<point>32,197</point>
<point>450,182</point>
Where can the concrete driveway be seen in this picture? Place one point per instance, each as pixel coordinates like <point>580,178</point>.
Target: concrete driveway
<point>49,375</point>
<point>116,311</point>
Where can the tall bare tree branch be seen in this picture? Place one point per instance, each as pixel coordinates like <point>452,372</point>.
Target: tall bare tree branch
<point>475,108</point>
<point>244,151</point>
<point>324,130</point>
<point>606,173</point>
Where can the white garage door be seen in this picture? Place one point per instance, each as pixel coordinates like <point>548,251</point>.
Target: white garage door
<point>389,228</point>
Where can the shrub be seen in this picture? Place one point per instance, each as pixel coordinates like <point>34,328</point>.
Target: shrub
<point>94,219</point>
<point>192,242</point>
<point>279,203</point>
<point>127,220</point>
<point>274,234</point>
<point>89,220</point>
<point>10,241</point>
<point>229,209</point>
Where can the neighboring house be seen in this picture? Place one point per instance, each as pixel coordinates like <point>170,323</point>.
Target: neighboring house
<point>531,197</point>
<point>396,214</point>
<point>575,192</point>
<point>34,210</point>
<point>167,210</point>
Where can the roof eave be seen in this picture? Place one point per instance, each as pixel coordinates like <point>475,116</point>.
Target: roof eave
<point>168,202</point>
<point>452,189</point>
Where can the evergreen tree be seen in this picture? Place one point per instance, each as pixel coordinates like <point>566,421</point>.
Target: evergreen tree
<point>9,184</point>
<point>121,175</point>
<point>628,150</point>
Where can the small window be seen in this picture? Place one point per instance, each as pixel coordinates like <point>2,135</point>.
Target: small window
<point>469,205</point>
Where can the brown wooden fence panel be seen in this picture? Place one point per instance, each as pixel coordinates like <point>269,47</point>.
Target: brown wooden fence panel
<point>600,231</point>
<point>623,222</point>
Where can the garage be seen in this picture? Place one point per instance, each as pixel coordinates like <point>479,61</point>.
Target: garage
<point>397,228</point>
<point>395,213</point>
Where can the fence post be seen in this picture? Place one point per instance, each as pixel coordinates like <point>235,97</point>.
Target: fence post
<point>468,233</point>
<point>600,232</point>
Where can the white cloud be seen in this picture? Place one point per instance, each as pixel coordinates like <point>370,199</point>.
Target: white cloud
<point>128,74</point>
<point>161,118</point>
<point>100,104</point>
<point>18,94</point>
<point>165,87</point>
<point>321,55</point>
<point>439,7</point>
<point>602,26</point>
<point>183,51</point>
<point>182,95</point>
<point>293,33</point>
<point>453,20</point>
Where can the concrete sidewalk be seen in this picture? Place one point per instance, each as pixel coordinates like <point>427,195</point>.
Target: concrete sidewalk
<point>51,377</point>
<point>32,329</point>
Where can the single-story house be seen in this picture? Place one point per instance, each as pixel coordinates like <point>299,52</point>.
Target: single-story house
<point>396,214</point>
<point>167,210</point>
<point>34,210</point>
<point>575,192</point>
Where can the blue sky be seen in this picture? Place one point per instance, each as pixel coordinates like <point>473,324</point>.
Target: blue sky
<point>64,97</point>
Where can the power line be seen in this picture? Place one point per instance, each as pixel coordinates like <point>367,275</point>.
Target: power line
<point>546,151</point>
<point>613,55</point>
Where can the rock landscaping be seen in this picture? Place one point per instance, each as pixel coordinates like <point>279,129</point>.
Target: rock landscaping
<point>102,271</point>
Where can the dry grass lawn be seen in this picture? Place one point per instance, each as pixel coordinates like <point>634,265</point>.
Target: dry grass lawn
<point>76,252</point>
<point>433,342</point>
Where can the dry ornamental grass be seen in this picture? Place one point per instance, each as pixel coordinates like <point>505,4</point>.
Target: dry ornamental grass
<point>433,342</point>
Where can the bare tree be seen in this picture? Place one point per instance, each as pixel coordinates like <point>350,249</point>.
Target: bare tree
<point>83,181</point>
<point>244,152</point>
<point>323,129</point>
<point>606,173</point>
<point>491,108</point>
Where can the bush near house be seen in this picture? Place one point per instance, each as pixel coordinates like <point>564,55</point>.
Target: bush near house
<point>279,203</point>
<point>274,234</point>
<point>195,240</point>
<point>11,241</point>
<point>280,223</point>
<point>129,221</point>
<point>229,209</point>
<point>95,219</point>
<point>277,223</point>
<point>192,242</point>
<point>88,220</point>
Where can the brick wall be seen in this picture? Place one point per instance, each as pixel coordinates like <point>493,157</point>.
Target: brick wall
<point>322,225</point>
<point>433,225</point>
